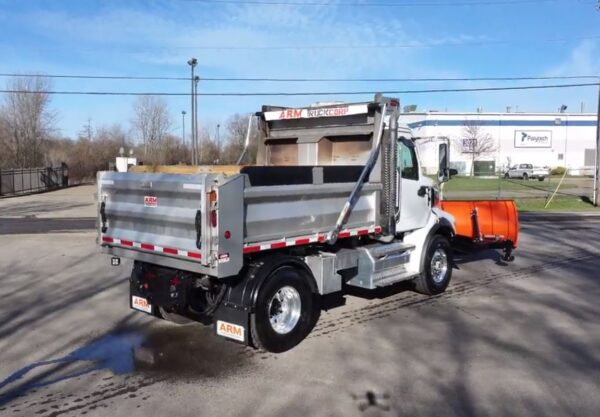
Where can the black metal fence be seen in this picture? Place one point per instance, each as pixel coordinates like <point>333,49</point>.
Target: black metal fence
<point>32,180</point>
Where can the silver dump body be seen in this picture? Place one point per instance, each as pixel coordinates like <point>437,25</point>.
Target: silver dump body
<point>209,222</point>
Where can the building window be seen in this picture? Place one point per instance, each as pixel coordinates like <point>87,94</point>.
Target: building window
<point>589,158</point>
<point>561,157</point>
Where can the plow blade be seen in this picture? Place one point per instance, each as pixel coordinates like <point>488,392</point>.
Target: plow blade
<point>485,222</point>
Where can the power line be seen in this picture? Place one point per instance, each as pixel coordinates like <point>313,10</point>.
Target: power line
<point>327,93</point>
<point>95,77</point>
<point>274,79</point>
<point>266,79</point>
<point>373,4</point>
<point>411,45</point>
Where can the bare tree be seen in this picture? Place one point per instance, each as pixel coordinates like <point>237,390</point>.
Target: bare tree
<point>237,127</point>
<point>475,142</point>
<point>86,156</point>
<point>5,144</point>
<point>27,121</point>
<point>152,122</point>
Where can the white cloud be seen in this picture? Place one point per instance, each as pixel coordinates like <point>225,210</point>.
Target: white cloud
<point>584,59</point>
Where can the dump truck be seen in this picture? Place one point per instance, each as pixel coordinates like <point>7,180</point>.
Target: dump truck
<point>336,200</point>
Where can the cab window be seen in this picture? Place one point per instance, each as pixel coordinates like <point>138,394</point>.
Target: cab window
<point>407,160</point>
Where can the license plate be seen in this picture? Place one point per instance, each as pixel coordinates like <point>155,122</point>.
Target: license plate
<point>141,304</point>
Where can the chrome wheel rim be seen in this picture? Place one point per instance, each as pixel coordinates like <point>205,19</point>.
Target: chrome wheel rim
<point>439,265</point>
<point>284,309</point>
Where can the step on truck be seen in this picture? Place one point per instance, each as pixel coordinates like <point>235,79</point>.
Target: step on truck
<point>337,199</point>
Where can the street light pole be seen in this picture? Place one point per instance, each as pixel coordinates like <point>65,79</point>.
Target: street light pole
<point>183,113</point>
<point>192,63</point>
<point>199,159</point>
<point>597,164</point>
<point>218,145</point>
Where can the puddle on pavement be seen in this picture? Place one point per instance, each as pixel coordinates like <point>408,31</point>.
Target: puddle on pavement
<point>165,352</point>
<point>191,351</point>
<point>169,351</point>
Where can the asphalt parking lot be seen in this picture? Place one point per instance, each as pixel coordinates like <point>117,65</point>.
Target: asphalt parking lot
<point>504,340</point>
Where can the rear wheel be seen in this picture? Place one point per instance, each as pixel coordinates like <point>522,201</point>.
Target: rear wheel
<point>286,310</point>
<point>173,317</point>
<point>506,176</point>
<point>525,176</point>
<point>437,267</point>
<point>540,178</point>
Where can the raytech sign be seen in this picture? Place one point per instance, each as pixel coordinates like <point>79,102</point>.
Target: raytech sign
<point>533,139</point>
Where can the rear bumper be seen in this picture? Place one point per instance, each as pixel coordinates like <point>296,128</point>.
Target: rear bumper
<point>162,260</point>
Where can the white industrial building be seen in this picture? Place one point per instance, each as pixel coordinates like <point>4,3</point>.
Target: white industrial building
<point>542,139</point>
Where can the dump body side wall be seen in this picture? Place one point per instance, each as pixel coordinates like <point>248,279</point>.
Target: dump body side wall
<point>286,211</point>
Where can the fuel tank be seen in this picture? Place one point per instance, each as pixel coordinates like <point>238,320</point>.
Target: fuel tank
<point>485,221</point>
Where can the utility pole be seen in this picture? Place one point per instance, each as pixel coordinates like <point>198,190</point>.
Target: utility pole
<point>192,63</point>
<point>597,164</point>
<point>183,127</point>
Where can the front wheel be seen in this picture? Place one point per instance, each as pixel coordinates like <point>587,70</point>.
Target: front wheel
<point>436,268</point>
<point>506,176</point>
<point>286,310</point>
<point>525,176</point>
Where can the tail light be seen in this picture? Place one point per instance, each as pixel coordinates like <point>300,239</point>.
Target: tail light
<point>212,199</point>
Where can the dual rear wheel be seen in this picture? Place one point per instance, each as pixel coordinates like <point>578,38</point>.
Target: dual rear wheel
<point>286,310</point>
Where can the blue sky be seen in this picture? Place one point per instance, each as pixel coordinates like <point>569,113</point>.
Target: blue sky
<point>156,38</point>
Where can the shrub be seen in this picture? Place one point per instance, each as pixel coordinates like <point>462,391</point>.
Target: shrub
<point>558,171</point>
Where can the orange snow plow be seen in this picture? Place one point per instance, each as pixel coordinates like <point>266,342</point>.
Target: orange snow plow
<point>490,223</point>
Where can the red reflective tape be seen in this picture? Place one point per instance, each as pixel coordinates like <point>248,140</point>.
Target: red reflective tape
<point>147,246</point>
<point>304,241</point>
<point>126,242</point>
<point>107,239</point>
<point>251,249</point>
<point>170,251</point>
<point>377,229</point>
<point>321,238</point>
<point>194,255</point>
<point>342,235</point>
<point>278,245</point>
<point>362,232</point>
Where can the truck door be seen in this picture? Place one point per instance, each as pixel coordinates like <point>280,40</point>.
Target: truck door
<point>414,194</point>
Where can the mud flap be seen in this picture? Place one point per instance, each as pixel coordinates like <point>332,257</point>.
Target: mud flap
<point>233,322</point>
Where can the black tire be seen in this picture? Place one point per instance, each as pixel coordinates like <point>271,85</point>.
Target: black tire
<point>173,317</point>
<point>525,176</point>
<point>264,336</point>
<point>425,283</point>
<point>506,176</point>
<point>540,178</point>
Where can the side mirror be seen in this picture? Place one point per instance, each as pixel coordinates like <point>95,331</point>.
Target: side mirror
<point>443,171</point>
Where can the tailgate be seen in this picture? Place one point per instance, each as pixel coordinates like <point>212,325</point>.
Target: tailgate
<point>154,214</point>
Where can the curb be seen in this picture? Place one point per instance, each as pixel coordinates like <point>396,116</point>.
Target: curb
<point>558,216</point>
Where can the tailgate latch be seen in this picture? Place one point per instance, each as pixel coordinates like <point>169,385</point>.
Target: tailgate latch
<point>198,224</point>
<point>103,216</point>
